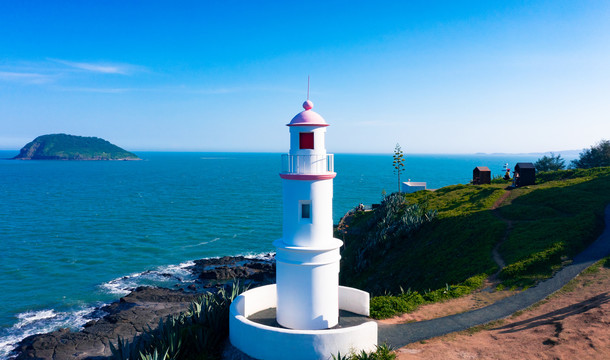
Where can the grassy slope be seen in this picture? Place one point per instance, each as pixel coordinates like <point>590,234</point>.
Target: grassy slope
<point>552,221</point>
<point>450,249</point>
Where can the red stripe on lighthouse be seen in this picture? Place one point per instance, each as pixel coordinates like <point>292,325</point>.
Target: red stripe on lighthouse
<point>308,176</point>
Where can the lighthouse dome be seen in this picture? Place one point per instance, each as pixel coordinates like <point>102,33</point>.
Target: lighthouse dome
<point>308,117</point>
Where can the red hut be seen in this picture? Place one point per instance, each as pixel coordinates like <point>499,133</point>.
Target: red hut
<point>481,175</point>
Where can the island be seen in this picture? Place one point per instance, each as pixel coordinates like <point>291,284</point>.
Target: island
<point>72,147</point>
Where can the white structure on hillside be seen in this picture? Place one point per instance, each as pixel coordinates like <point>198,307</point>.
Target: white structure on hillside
<point>307,296</point>
<point>412,186</point>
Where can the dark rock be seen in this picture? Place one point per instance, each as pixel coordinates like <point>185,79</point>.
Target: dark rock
<point>89,323</point>
<point>143,307</point>
<point>260,271</point>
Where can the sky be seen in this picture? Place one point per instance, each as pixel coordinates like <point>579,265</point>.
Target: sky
<point>435,76</point>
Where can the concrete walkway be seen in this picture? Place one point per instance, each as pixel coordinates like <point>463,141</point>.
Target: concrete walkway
<point>400,335</point>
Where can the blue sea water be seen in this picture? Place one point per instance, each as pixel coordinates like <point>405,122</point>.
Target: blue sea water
<point>78,234</point>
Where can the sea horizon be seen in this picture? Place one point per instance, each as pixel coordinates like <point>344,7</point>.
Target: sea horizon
<point>570,153</point>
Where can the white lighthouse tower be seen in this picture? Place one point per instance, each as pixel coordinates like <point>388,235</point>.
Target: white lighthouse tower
<point>307,296</point>
<point>307,256</point>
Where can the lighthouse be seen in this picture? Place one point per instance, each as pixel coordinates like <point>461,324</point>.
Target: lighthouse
<point>307,256</point>
<point>307,297</point>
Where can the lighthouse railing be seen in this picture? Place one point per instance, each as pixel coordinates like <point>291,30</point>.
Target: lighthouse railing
<point>308,164</point>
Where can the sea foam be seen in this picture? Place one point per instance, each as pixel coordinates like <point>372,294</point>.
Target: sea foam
<point>163,276</point>
<point>42,321</point>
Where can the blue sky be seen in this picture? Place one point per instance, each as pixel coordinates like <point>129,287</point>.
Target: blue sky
<point>437,77</point>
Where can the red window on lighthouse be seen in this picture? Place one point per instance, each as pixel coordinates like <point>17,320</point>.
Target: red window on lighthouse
<point>306,140</point>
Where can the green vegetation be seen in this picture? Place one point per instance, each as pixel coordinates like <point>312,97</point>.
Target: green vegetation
<point>383,352</point>
<point>597,156</point>
<point>454,246</point>
<point>198,333</point>
<point>70,147</point>
<point>386,306</point>
<point>550,163</point>
<point>551,222</point>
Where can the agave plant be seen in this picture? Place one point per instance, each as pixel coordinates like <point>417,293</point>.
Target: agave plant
<point>122,351</point>
<point>167,336</point>
<point>156,355</point>
<point>382,352</point>
<point>208,324</point>
<point>393,220</point>
<point>340,357</point>
<point>199,333</point>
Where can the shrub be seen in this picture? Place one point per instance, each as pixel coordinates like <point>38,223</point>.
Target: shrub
<point>386,306</point>
<point>597,156</point>
<point>383,307</point>
<point>550,163</point>
<point>540,262</point>
<point>413,299</point>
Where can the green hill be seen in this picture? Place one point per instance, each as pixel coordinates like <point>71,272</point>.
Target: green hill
<point>535,230</point>
<point>71,147</point>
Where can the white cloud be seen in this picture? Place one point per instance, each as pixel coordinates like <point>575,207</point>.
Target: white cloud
<point>104,68</point>
<point>94,90</point>
<point>25,77</point>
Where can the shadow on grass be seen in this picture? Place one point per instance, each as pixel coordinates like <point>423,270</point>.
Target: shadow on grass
<point>552,225</point>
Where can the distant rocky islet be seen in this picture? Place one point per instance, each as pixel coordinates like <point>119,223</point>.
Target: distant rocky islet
<point>72,147</point>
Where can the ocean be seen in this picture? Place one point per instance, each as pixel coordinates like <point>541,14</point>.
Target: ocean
<point>78,234</point>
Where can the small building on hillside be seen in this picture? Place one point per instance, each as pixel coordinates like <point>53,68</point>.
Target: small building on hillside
<point>525,174</point>
<point>481,175</point>
<point>412,186</point>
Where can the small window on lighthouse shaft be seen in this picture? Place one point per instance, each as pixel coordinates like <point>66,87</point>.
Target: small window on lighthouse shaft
<point>305,210</point>
<point>306,140</point>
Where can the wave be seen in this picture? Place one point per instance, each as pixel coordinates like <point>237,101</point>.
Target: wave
<point>44,321</point>
<point>164,276</point>
<point>47,320</point>
<point>268,256</point>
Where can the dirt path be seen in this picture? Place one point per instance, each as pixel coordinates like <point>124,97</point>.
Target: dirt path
<point>399,335</point>
<point>474,301</point>
<point>572,324</point>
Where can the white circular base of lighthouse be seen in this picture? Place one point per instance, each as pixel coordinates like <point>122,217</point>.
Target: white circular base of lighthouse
<point>268,342</point>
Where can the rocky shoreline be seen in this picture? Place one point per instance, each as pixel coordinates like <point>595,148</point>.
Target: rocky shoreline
<point>143,307</point>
